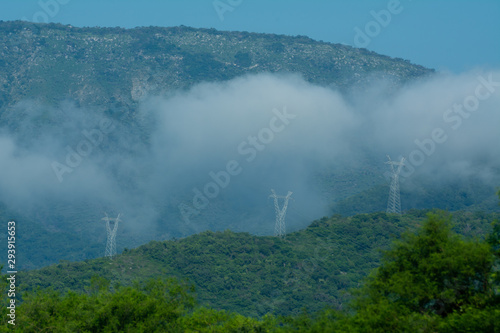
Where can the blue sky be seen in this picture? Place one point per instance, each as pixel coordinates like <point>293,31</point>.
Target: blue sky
<point>450,35</point>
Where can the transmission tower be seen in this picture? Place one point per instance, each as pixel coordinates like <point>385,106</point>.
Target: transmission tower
<point>279,227</point>
<point>111,232</point>
<point>394,202</point>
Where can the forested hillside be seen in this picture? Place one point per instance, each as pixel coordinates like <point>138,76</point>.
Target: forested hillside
<point>431,280</point>
<point>115,68</point>
<point>254,275</point>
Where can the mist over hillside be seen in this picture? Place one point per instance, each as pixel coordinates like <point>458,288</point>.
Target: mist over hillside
<point>204,153</point>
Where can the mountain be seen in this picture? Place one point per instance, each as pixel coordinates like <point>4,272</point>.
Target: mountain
<point>115,68</point>
<point>253,275</point>
<point>140,121</point>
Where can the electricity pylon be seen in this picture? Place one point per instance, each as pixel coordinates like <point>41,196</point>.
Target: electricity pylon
<point>394,202</point>
<point>279,227</point>
<point>111,232</point>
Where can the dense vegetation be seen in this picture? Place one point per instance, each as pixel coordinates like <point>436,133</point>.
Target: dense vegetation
<point>431,280</point>
<point>254,275</point>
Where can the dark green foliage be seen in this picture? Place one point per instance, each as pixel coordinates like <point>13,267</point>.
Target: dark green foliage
<point>252,275</point>
<point>243,59</point>
<point>443,271</point>
<point>202,66</point>
<point>432,280</point>
<point>276,47</point>
<point>249,274</point>
<point>155,306</point>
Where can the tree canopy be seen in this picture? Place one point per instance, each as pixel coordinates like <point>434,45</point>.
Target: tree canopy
<point>432,280</point>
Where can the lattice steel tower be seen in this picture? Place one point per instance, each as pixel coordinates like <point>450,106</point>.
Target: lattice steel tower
<point>279,227</point>
<point>394,202</point>
<point>111,232</point>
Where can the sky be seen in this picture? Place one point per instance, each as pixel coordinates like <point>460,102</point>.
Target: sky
<point>449,36</point>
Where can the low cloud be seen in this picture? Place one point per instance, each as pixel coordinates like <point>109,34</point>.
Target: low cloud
<point>280,130</point>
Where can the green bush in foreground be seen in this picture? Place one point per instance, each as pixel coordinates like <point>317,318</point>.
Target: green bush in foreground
<point>153,307</point>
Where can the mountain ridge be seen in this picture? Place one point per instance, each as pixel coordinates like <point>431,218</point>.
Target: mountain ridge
<point>61,57</point>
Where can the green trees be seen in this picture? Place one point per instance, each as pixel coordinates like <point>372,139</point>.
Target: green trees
<point>157,306</point>
<point>153,307</point>
<point>430,280</point>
